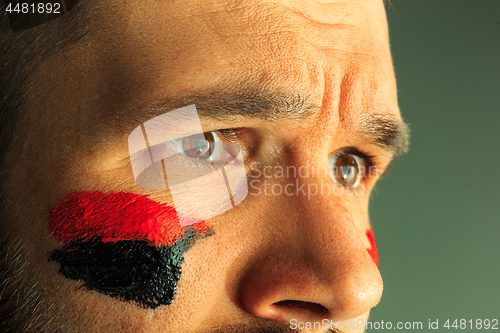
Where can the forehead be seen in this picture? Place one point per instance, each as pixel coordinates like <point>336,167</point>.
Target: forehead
<point>139,52</point>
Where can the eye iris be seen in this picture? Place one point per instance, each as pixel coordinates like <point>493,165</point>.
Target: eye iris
<point>346,170</point>
<point>198,146</point>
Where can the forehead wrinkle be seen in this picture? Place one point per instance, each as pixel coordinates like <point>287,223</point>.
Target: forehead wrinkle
<point>331,12</point>
<point>364,110</point>
<point>333,26</point>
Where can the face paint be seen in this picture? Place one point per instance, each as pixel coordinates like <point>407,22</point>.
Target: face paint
<point>115,216</point>
<point>122,244</point>
<point>373,251</point>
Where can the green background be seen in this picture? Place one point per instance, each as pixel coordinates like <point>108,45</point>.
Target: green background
<point>437,217</point>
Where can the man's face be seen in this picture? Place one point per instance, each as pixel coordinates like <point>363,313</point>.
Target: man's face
<point>275,257</point>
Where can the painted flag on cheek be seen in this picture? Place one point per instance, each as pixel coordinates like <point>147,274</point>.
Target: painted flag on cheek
<point>121,244</point>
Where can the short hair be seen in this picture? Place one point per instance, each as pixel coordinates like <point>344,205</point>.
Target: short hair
<point>21,53</point>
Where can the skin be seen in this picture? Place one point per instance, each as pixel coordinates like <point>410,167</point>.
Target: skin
<point>268,248</point>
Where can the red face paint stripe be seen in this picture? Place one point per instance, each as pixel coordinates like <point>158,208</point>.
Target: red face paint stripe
<point>373,251</point>
<point>116,216</point>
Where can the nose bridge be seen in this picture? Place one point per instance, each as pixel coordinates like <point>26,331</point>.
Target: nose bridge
<point>313,210</point>
<point>318,257</point>
<point>329,225</point>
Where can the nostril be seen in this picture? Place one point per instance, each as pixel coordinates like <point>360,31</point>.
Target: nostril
<point>309,306</point>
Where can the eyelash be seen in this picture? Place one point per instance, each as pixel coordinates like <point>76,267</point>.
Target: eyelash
<point>369,159</point>
<point>230,134</point>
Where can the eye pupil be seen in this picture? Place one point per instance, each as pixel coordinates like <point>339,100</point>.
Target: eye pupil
<point>198,146</point>
<point>346,170</point>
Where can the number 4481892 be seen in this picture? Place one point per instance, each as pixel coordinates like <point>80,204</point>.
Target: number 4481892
<point>478,324</point>
<point>40,8</point>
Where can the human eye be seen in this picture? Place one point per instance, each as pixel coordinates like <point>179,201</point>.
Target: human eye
<point>183,158</point>
<point>209,149</point>
<point>350,167</point>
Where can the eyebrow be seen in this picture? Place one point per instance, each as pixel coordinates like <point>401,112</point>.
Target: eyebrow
<point>385,131</point>
<point>381,129</point>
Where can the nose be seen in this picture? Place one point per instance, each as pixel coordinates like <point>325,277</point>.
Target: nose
<point>312,264</point>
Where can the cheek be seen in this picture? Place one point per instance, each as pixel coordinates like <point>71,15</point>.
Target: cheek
<point>372,251</point>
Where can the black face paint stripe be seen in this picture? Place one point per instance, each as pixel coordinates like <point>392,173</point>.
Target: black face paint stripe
<point>127,270</point>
